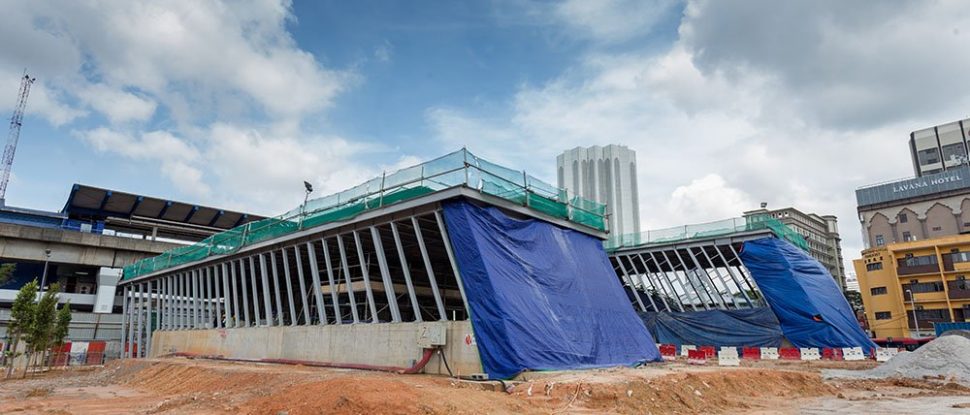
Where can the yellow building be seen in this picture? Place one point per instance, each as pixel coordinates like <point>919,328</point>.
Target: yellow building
<point>928,275</point>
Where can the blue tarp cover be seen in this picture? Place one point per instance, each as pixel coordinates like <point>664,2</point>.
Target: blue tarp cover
<point>748,327</point>
<point>542,297</point>
<point>804,296</point>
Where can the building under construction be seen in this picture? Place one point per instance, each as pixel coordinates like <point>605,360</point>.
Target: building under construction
<point>456,264</point>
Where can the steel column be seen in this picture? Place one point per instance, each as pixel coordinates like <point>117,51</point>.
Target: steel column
<point>149,319</point>
<point>660,282</point>
<point>234,285</point>
<point>734,277</point>
<point>693,289</point>
<point>427,265</point>
<point>454,263</point>
<point>333,286</point>
<point>245,291</point>
<point>252,279</point>
<point>407,273</point>
<point>645,276</point>
<point>276,288</point>
<point>633,289</point>
<point>217,280</point>
<point>315,280</point>
<point>139,327</point>
<point>719,277</point>
<point>346,269</point>
<point>303,294</point>
<point>289,287</point>
<point>365,271</point>
<point>125,321</point>
<point>744,276</point>
<point>267,296</point>
<point>713,287</point>
<point>386,275</point>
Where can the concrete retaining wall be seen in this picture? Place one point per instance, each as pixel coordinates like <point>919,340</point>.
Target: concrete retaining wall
<point>384,344</point>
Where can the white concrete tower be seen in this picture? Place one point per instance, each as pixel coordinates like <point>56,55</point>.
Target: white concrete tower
<point>607,175</point>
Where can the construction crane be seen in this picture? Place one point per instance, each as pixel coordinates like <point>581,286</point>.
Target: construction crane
<point>15,122</point>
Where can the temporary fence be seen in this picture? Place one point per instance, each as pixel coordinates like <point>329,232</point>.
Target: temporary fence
<point>457,169</point>
<point>731,356</point>
<point>707,230</point>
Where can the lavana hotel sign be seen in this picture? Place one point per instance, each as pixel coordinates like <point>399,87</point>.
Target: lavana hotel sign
<point>924,182</point>
<point>953,179</point>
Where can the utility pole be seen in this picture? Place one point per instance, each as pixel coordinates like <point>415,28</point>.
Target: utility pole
<point>912,300</point>
<point>16,121</point>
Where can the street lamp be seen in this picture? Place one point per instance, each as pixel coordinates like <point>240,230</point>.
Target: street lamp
<point>309,189</point>
<point>912,300</point>
<point>43,278</point>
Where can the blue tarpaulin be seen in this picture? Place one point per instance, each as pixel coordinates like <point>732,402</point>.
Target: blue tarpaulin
<point>542,297</point>
<point>748,327</point>
<point>804,296</point>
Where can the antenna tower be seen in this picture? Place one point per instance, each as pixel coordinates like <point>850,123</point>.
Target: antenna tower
<point>15,122</point>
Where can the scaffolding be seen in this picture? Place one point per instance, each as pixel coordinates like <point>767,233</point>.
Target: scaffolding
<point>707,230</point>
<point>458,169</point>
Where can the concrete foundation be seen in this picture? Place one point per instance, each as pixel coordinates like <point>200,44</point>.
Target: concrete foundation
<point>383,344</point>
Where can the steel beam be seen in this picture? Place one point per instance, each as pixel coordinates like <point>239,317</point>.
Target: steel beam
<point>633,289</point>
<point>720,277</point>
<point>719,299</point>
<point>645,276</point>
<point>386,275</point>
<point>267,295</point>
<point>125,321</point>
<point>693,290</point>
<point>252,280</point>
<point>245,293</point>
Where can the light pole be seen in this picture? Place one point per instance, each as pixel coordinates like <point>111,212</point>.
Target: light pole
<point>309,189</point>
<point>43,278</point>
<point>912,301</point>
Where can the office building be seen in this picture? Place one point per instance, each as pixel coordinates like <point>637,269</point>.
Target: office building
<point>940,148</point>
<point>820,231</point>
<point>931,206</point>
<point>928,276</point>
<point>606,175</point>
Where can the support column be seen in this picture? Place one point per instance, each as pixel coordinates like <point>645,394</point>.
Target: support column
<point>267,302</point>
<point>407,272</point>
<point>315,280</point>
<point>289,287</point>
<point>333,286</point>
<point>451,259</point>
<point>299,274</point>
<point>633,289</point>
<point>149,318</point>
<point>125,321</point>
<point>217,282</point>
<point>443,316</point>
<point>645,276</point>
<point>197,299</point>
<point>365,271</point>
<point>138,326</point>
<point>252,280</point>
<point>748,282</point>
<point>276,288</point>
<point>719,299</point>
<point>693,288</point>
<point>245,293</point>
<point>734,277</point>
<point>346,269</point>
<point>660,282</point>
<point>209,294</point>
<point>386,275</point>
<point>719,277</point>
<point>227,295</point>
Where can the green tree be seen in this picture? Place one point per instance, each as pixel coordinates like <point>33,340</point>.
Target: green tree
<point>21,319</point>
<point>62,325</point>
<point>6,273</point>
<point>41,332</point>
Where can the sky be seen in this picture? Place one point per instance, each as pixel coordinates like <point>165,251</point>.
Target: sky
<point>235,104</point>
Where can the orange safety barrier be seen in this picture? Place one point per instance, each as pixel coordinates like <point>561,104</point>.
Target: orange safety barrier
<point>751,353</point>
<point>789,353</point>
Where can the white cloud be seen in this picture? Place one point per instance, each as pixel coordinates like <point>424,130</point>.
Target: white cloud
<point>116,104</point>
<point>708,196</point>
<point>613,20</point>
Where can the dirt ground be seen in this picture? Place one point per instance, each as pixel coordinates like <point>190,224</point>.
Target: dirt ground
<point>180,386</point>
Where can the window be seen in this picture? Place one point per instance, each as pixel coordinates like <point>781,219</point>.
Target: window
<point>884,315</point>
<point>907,237</point>
<point>955,152</point>
<point>960,257</point>
<point>928,156</point>
<point>903,218</point>
<point>915,261</point>
<point>925,287</point>
<point>880,241</point>
<point>936,314</point>
<point>875,266</point>
<point>937,228</point>
<point>878,290</point>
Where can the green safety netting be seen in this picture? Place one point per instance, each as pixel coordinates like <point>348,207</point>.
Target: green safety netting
<point>706,230</point>
<point>461,168</point>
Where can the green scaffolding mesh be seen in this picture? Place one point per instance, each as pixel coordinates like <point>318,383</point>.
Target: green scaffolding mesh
<point>706,230</point>
<point>461,168</point>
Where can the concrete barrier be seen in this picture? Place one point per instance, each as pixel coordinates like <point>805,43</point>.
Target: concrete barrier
<point>769,353</point>
<point>686,348</point>
<point>728,356</point>
<point>884,354</point>
<point>809,353</point>
<point>383,344</point>
<point>853,353</point>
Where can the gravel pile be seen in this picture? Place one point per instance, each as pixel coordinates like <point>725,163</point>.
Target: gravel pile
<point>947,356</point>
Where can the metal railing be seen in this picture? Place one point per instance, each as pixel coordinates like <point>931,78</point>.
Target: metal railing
<point>706,230</point>
<point>457,169</point>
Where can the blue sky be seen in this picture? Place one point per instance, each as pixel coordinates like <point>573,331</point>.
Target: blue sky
<point>727,104</point>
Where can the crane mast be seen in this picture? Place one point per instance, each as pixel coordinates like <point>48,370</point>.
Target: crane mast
<point>15,122</point>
